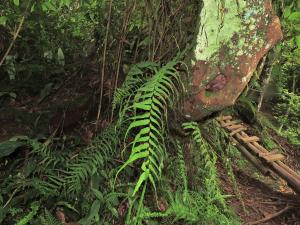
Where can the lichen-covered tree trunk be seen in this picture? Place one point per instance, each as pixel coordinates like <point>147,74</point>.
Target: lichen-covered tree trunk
<point>233,36</point>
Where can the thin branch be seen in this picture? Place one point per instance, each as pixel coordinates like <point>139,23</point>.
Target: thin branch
<point>13,40</point>
<point>271,216</point>
<point>120,48</point>
<point>103,64</point>
<point>16,34</point>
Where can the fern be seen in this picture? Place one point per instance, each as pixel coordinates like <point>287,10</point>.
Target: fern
<point>208,165</point>
<point>30,215</point>
<point>192,209</point>
<point>44,151</point>
<point>182,170</point>
<point>135,78</point>
<point>149,107</point>
<point>39,186</point>
<point>49,219</point>
<point>227,151</point>
<point>91,160</point>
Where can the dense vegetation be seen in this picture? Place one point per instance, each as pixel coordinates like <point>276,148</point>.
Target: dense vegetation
<point>89,92</point>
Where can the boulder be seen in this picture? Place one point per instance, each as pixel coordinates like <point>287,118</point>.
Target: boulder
<point>233,37</point>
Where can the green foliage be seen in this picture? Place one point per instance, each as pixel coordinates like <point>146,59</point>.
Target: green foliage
<point>203,206</point>
<point>34,209</point>
<point>288,115</point>
<point>291,24</point>
<point>149,109</point>
<point>192,209</point>
<point>208,165</point>
<point>197,210</point>
<point>8,147</point>
<point>286,71</point>
<point>59,38</point>
<point>91,161</point>
<point>49,219</point>
<point>136,77</point>
<point>246,109</point>
<point>182,169</point>
<point>228,153</point>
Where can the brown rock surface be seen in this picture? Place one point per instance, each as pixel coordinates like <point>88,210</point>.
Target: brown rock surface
<point>221,79</point>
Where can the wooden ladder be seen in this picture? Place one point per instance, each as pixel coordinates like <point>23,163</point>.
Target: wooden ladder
<point>250,147</point>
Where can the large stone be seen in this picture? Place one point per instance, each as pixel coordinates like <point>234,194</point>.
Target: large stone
<point>233,36</point>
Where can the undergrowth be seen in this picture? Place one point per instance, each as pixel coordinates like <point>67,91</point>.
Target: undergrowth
<point>125,175</point>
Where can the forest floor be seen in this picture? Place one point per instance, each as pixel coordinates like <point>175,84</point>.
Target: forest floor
<point>264,197</point>
<point>73,106</point>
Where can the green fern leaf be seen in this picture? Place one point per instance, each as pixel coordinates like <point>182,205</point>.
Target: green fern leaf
<point>149,106</point>
<point>49,219</point>
<point>91,160</point>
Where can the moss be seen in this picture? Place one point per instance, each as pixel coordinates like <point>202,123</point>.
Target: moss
<point>219,25</point>
<point>232,24</point>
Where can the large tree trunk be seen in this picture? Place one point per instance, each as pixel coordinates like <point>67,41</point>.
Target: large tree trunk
<point>233,36</point>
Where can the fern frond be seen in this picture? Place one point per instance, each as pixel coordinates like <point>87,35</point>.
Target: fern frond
<point>91,160</point>
<point>49,219</point>
<point>135,78</point>
<point>149,109</point>
<point>40,187</point>
<point>210,177</point>
<point>30,215</point>
<point>192,209</point>
<point>45,152</point>
<point>226,151</point>
<point>182,170</point>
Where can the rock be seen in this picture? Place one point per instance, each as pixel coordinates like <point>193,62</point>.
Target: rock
<point>230,43</point>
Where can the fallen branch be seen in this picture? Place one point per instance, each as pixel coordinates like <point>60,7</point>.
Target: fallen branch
<point>271,216</point>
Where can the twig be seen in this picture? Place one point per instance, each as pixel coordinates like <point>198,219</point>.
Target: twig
<point>271,216</point>
<point>103,65</point>
<point>13,40</point>
<point>266,82</point>
<point>11,197</point>
<point>120,48</point>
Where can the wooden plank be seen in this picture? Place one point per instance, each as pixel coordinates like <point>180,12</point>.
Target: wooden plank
<point>292,172</point>
<point>254,150</point>
<point>261,148</point>
<point>274,157</point>
<point>250,139</point>
<point>230,123</point>
<point>222,118</point>
<point>254,160</point>
<point>270,153</point>
<point>237,131</point>
<point>234,127</point>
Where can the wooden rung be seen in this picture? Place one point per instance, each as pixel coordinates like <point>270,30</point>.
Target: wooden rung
<point>234,127</point>
<point>230,123</point>
<point>250,139</point>
<point>269,153</point>
<point>261,148</point>
<point>237,131</point>
<point>274,157</point>
<point>222,118</point>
